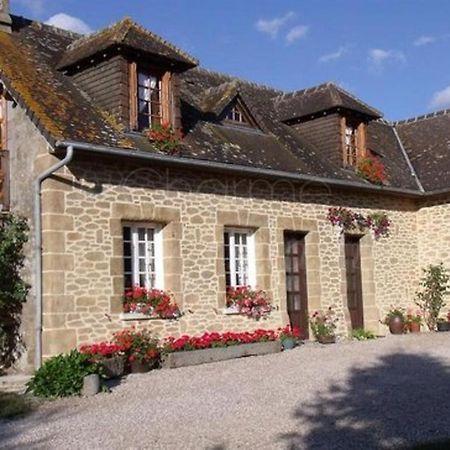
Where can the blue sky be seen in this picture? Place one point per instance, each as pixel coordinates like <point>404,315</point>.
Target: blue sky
<point>394,54</point>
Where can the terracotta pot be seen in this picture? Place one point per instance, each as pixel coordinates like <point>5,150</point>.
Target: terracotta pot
<point>414,327</point>
<point>396,325</point>
<point>443,326</point>
<point>329,339</point>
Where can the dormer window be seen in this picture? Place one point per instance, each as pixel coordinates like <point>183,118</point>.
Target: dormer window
<point>353,141</point>
<point>235,115</point>
<point>149,100</point>
<point>152,98</point>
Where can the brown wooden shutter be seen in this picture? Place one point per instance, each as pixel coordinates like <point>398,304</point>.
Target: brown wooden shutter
<point>166,93</point>
<point>361,140</point>
<point>133,83</point>
<point>176,104</point>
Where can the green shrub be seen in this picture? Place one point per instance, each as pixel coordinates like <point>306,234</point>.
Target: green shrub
<point>435,286</point>
<point>360,334</point>
<point>13,290</point>
<point>62,375</point>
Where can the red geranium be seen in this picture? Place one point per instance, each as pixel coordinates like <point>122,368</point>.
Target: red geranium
<point>249,302</point>
<point>153,302</point>
<point>371,168</point>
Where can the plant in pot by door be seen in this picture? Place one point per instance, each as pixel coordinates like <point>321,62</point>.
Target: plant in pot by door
<point>289,337</point>
<point>413,320</point>
<point>110,356</point>
<point>395,320</point>
<point>435,286</point>
<point>323,325</point>
<point>140,347</point>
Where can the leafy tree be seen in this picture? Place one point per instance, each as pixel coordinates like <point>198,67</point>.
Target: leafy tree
<point>13,290</point>
<point>430,299</point>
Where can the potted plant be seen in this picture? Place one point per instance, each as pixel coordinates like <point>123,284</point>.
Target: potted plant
<point>151,302</point>
<point>140,347</point>
<point>323,325</point>
<point>289,337</point>
<point>442,324</point>
<point>109,356</point>
<point>435,286</point>
<point>395,320</point>
<point>413,320</point>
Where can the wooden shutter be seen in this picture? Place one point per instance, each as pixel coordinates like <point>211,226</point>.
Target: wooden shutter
<point>361,140</point>
<point>133,83</point>
<point>166,94</point>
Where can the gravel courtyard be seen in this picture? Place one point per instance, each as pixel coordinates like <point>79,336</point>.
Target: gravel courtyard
<point>388,393</point>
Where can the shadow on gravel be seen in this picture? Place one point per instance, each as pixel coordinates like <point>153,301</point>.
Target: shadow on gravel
<point>12,430</point>
<point>402,402</point>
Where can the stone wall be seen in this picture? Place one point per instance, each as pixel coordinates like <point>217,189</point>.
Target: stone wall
<point>83,274</point>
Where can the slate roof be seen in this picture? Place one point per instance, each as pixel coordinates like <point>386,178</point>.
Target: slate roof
<point>320,98</point>
<point>426,139</point>
<point>127,34</point>
<point>31,56</point>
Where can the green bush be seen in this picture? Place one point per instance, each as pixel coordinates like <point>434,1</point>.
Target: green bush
<point>435,286</point>
<point>360,334</point>
<point>13,290</point>
<point>62,375</point>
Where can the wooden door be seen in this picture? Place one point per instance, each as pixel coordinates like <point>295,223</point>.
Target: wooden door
<point>297,295</point>
<point>354,285</point>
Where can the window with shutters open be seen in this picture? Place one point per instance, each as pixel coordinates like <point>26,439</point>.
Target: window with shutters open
<point>151,100</point>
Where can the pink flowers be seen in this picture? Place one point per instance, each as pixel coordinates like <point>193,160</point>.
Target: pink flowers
<point>152,302</point>
<point>248,302</point>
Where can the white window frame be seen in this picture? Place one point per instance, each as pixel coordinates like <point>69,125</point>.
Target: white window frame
<point>158,254</point>
<point>251,262</point>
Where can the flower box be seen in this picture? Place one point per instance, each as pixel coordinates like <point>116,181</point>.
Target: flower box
<point>231,310</point>
<point>138,316</point>
<point>209,355</point>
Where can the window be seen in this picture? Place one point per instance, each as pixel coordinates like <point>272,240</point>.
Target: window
<point>239,257</point>
<point>142,256</point>
<point>353,142</point>
<point>235,115</point>
<point>149,100</point>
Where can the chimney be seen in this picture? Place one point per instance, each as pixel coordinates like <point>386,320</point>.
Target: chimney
<point>5,18</point>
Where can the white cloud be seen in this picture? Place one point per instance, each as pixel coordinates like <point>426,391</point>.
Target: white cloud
<point>273,26</point>
<point>378,57</point>
<point>424,40</point>
<point>70,23</point>
<point>441,99</point>
<point>296,33</point>
<point>334,56</point>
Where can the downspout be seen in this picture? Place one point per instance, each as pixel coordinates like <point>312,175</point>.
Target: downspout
<point>38,249</point>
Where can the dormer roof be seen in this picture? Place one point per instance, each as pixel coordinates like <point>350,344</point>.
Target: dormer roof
<point>126,34</point>
<point>327,96</point>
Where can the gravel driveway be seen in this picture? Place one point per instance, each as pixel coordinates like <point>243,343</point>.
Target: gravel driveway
<point>392,392</point>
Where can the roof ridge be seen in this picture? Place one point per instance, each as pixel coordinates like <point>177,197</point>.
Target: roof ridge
<point>129,23</point>
<point>307,90</point>
<point>354,97</point>
<point>441,112</point>
<point>54,29</point>
<point>237,79</point>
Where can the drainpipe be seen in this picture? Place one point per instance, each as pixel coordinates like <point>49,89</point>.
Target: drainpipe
<point>38,249</point>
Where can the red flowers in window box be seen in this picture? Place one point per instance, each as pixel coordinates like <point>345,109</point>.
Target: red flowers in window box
<point>249,302</point>
<point>152,302</point>
<point>371,169</point>
<point>165,137</point>
<point>215,340</point>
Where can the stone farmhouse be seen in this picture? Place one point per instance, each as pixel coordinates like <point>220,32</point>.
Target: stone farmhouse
<point>244,198</point>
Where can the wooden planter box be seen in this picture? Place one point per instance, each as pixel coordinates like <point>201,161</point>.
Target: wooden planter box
<point>208,355</point>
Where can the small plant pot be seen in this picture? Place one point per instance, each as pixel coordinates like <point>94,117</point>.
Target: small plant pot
<point>326,339</point>
<point>113,367</point>
<point>396,325</point>
<point>139,367</point>
<point>288,343</point>
<point>443,326</point>
<point>91,385</point>
<point>414,327</point>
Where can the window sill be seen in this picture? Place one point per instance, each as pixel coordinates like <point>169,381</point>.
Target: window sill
<point>231,311</point>
<point>138,316</point>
